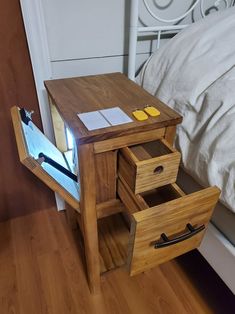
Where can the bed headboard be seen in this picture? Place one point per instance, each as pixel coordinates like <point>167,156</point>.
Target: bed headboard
<point>165,25</point>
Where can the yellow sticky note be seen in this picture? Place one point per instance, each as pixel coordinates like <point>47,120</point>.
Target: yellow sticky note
<point>152,111</point>
<point>140,115</point>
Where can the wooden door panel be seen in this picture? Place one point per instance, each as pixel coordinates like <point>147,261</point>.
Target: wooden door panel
<point>20,192</point>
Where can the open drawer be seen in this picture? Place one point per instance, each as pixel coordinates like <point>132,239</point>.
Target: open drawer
<point>165,223</point>
<point>149,165</point>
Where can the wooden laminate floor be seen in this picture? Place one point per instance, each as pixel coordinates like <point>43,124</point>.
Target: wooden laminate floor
<point>41,271</point>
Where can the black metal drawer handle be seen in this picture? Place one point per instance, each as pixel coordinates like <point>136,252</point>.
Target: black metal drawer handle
<point>185,236</point>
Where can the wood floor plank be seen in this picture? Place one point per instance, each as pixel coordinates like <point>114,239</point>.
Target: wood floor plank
<point>204,285</point>
<point>41,272</point>
<point>76,279</point>
<point>55,284</point>
<point>158,294</point>
<point>139,297</point>
<point>9,302</point>
<point>181,284</point>
<point>28,280</point>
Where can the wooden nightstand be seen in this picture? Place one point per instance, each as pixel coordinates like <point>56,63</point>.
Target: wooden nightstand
<point>116,165</point>
<point>129,169</point>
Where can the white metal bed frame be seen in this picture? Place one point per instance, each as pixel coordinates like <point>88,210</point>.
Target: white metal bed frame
<point>216,249</point>
<point>170,27</point>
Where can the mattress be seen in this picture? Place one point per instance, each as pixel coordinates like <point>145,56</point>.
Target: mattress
<point>223,218</point>
<point>194,74</point>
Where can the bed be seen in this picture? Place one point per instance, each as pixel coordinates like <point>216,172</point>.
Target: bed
<point>194,73</point>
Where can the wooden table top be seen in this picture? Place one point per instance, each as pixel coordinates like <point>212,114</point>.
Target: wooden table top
<point>83,94</point>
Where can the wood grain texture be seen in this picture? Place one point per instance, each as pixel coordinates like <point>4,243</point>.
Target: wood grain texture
<point>106,176</point>
<point>170,218</point>
<point>58,127</point>
<point>170,134</point>
<point>41,272</point>
<point>138,164</point>
<point>132,202</point>
<point>127,140</point>
<point>113,242</point>
<point>71,215</point>
<point>109,208</point>
<point>89,214</point>
<point>78,95</point>
<point>113,237</point>
<point>16,88</point>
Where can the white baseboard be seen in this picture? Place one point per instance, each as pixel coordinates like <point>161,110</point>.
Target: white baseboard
<point>220,254</point>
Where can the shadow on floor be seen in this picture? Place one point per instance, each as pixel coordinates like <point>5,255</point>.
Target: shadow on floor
<point>210,285</point>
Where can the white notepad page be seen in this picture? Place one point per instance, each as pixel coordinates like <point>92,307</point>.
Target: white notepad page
<point>116,116</point>
<point>99,119</point>
<point>93,120</point>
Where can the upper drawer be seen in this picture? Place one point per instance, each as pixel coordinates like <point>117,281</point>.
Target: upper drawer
<point>165,223</point>
<point>149,165</point>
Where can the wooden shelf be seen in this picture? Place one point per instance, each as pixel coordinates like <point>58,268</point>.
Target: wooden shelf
<point>113,242</point>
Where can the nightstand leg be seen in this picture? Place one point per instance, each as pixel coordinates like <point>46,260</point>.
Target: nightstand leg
<point>71,216</point>
<point>89,215</point>
<point>170,134</point>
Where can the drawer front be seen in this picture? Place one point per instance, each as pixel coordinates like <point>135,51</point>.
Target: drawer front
<point>143,175</point>
<point>168,230</point>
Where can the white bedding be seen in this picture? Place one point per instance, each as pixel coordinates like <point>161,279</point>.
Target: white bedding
<point>194,73</point>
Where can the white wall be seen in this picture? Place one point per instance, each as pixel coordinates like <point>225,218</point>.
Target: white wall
<point>90,37</point>
<point>87,36</point>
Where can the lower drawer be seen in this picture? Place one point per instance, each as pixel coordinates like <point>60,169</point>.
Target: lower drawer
<point>165,223</point>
